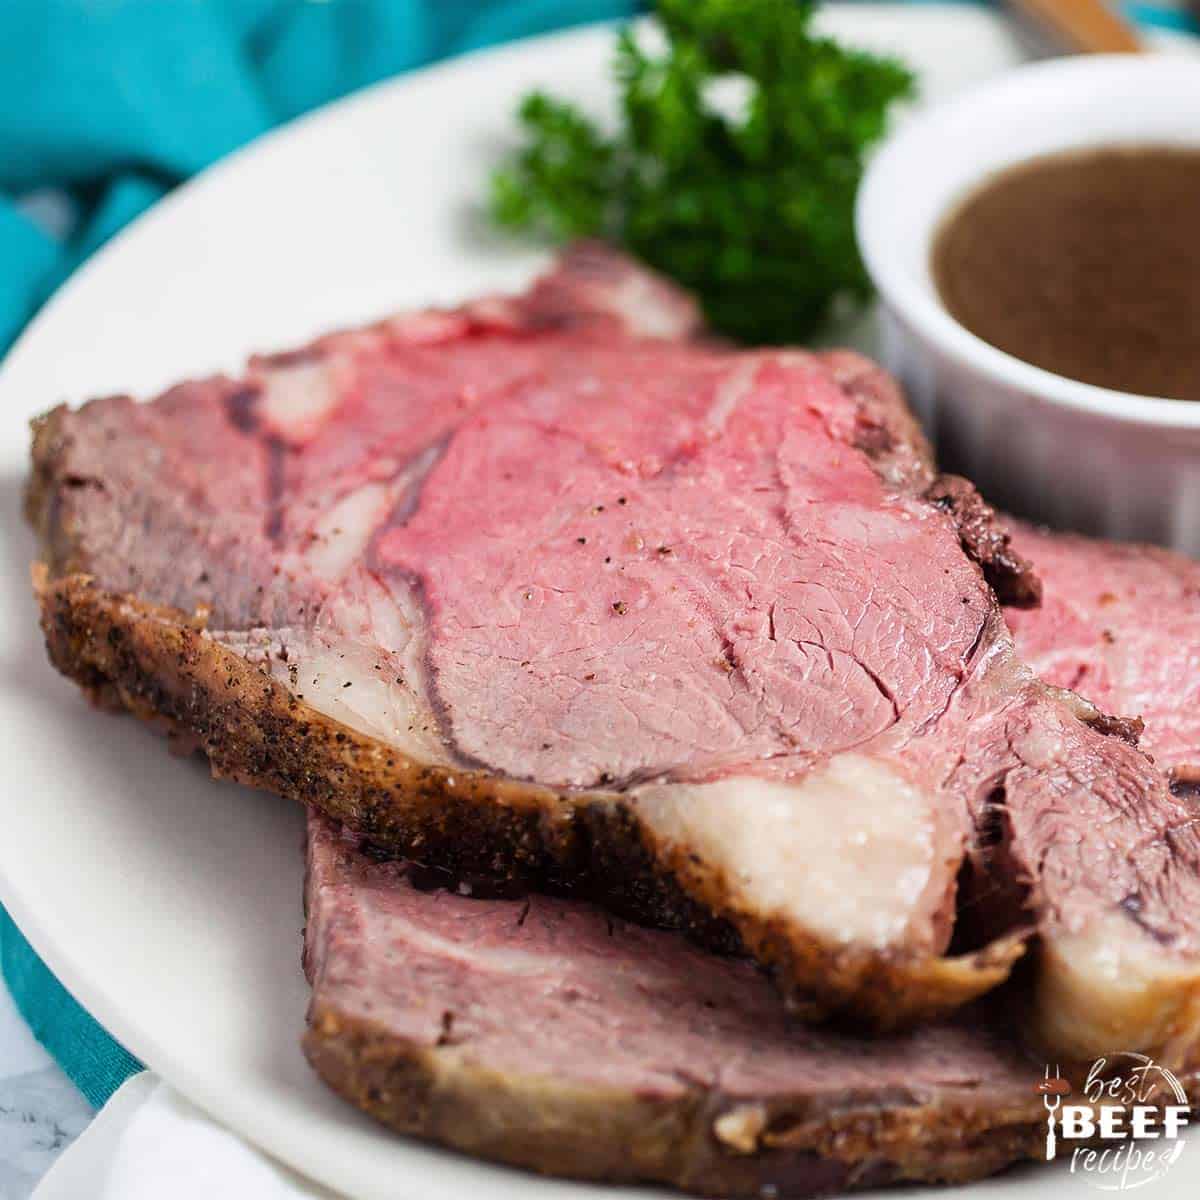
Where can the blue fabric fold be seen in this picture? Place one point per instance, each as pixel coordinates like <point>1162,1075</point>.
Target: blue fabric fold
<point>116,101</point>
<point>95,1061</point>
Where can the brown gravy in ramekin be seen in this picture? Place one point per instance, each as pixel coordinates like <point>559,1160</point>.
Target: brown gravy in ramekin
<point>1085,263</point>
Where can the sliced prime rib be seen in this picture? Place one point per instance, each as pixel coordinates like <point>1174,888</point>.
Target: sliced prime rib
<point>542,1033</point>
<point>545,586</point>
<point>1120,624</point>
<point>531,1030</point>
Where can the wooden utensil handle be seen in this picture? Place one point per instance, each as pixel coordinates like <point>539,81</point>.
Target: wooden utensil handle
<point>1086,26</point>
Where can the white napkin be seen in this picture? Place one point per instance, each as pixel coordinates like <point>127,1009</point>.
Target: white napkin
<point>148,1143</point>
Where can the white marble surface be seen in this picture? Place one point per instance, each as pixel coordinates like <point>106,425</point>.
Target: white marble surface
<point>41,1111</point>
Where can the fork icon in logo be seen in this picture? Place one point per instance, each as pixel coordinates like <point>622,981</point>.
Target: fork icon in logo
<point>1052,1093</point>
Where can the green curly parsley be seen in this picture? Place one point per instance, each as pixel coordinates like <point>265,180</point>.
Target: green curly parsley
<point>749,204</point>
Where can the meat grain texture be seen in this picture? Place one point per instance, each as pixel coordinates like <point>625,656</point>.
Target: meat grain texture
<point>540,1033</point>
<point>550,587</point>
<point>1120,624</point>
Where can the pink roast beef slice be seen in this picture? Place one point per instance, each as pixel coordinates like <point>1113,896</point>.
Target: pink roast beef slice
<point>542,587</point>
<point>1120,624</point>
<point>637,1017</point>
<point>542,1033</point>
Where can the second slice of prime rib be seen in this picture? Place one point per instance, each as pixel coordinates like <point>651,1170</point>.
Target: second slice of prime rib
<point>1120,624</point>
<point>536,1032</point>
<point>542,1033</point>
<point>544,586</point>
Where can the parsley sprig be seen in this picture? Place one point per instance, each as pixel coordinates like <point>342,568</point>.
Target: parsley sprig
<point>733,168</point>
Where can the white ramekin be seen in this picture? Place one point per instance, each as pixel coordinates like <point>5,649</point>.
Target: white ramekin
<point>1063,452</point>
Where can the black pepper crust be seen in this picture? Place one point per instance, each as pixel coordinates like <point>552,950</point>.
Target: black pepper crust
<point>161,666</point>
<point>253,730</point>
<point>158,663</point>
<point>985,539</point>
<point>616,1136</point>
<point>941,1125</point>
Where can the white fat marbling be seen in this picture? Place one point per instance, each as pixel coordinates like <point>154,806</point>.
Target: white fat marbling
<point>1111,985</point>
<point>851,851</point>
<point>299,399</point>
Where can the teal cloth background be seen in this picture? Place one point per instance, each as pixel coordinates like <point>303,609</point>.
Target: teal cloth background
<point>115,101</point>
<point>107,104</point>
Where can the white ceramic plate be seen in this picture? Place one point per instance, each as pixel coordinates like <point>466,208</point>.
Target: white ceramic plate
<point>169,904</point>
